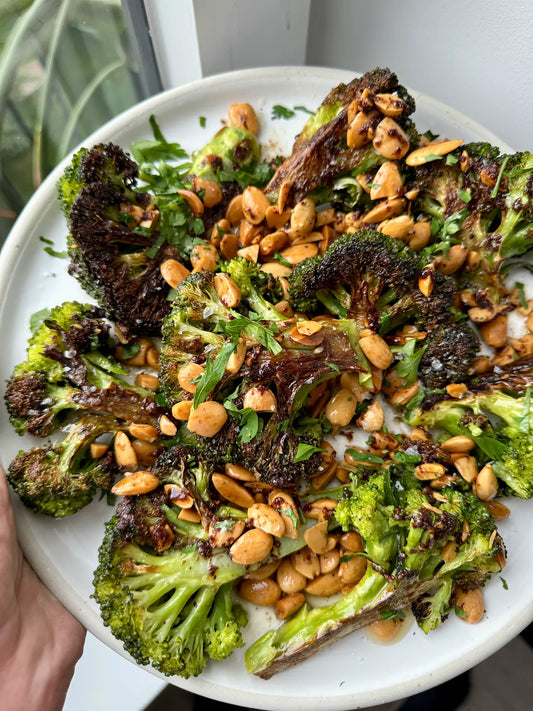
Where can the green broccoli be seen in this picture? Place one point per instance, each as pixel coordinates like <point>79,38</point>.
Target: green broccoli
<point>166,594</point>
<point>70,368</point>
<point>404,529</point>
<point>252,282</point>
<point>505,440</point>
<point>370,281</point>
<point>483,200</point>
<point>60,479</point>
<point>173,608</point>
<point>104,163</point>
<point>321,155</point>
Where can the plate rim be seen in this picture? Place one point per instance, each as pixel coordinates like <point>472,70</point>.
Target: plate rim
<point>10,254</point>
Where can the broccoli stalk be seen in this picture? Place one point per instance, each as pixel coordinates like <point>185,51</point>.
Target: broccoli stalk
<point>404,530</point>
<point>60,479</point>
<point>298,637</point>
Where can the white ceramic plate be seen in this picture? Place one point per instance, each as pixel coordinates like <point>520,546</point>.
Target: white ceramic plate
<point>355,672</point>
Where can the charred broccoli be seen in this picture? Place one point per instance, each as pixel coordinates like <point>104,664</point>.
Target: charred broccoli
<point>60,479</point>
<point>499,421</point>
<point>321,153</point>
<point>482,200</point>
<point>404,529</point>
<point>372,279</point>
<point>70,368</point>
<point>168,600</point>
<point>270,356</point>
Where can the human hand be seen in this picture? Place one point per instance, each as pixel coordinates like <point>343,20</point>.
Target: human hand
<point>40,642</point>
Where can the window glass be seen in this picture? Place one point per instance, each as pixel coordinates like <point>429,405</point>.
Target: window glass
<point>66,67</point>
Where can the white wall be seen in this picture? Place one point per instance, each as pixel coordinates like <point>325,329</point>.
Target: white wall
<point>475,55</point>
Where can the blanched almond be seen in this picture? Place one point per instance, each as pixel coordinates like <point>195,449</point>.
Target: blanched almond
<point>140,482</point>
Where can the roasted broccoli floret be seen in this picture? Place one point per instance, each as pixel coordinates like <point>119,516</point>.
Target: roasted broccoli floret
<point>482,200</point>
<point>168,602</point>
<point>252,283</point>
<point>373,279</point>
<point>114,240</point>
<point>70,368</point>
<point>105,163</point>
<point>500,423</point>
<point>269,355</point>
<point>404,530</point>
<point>321,153</point>
<point>60,479</point>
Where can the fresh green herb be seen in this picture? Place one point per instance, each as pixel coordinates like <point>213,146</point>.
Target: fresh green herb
<point>451,159</point>
<point>431,157</point>
<point>38,318</point>
<point>464,195</point>
<point>290,515</point>
<point>261,333</point>
<point>161,399</point>
<point>49,250</point>
<point>256,174</point>
<point>203,121</point>
<point>408,366</point>
<point>494,192</point>
<point>305,452</point>
<point>305,110</point>
<point>453,223</point>
<point>364,457</point>
<point>504,583</point>
<point>281,259</point>
<point>250,424</point>
<point>150,152</point>
<point>521,294</point>
<point>414,403</point>
<point>333,366</point>
<point>393,615</point>
<point>279,111</point>
<point>130,350</point>
<point>213,373</point>
<point>460,612</point>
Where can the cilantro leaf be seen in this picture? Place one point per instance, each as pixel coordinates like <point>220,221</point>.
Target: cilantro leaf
<point>213,373</point>
<point>38,318</point>
<point>279,111</point>
<point>305,452</point>
<point>255,330</point>
<point>408,366</point>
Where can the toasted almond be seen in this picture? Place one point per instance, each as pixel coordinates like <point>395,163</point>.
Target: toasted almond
<point>140,482</point>
<point>316,537</point>
<point>231,490</point>
<point>145,432</point>
<point>435,148</point>
<point>124,453</point>
<point>251,547</point>
<point>267,519</point>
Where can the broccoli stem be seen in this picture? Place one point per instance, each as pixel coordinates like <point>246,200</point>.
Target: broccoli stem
<point>309,625</point>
